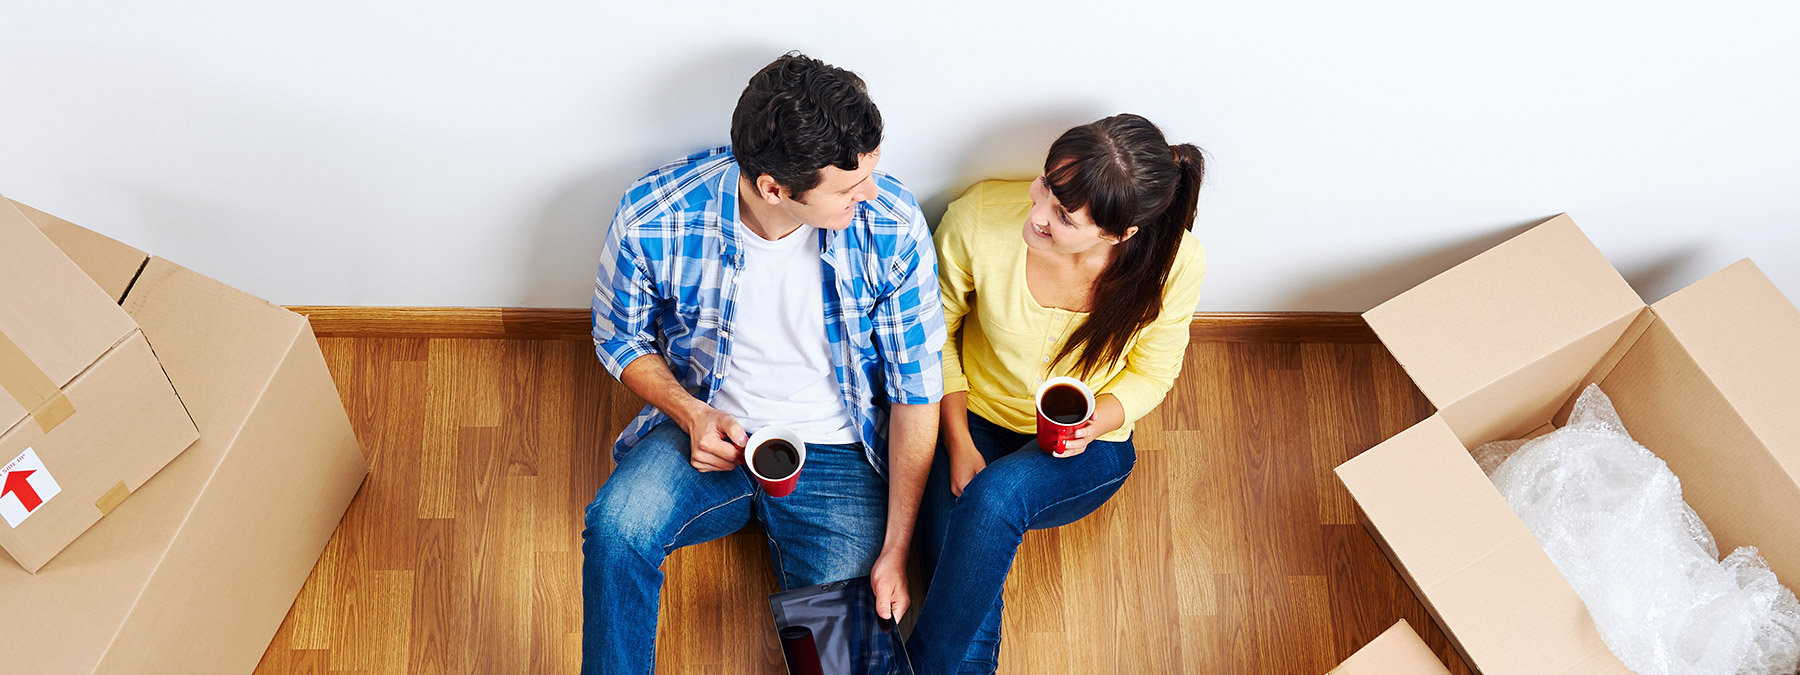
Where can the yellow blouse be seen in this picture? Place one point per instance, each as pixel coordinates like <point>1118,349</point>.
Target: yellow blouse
<point>1002,340</point>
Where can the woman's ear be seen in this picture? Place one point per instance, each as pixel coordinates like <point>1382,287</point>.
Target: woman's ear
<point>1129,232</point>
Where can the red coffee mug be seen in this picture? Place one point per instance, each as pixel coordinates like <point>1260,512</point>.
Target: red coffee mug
<point>1064,406</point>
<point>768,441</point>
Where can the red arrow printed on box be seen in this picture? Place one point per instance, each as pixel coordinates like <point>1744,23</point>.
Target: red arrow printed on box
<point>16,484</point>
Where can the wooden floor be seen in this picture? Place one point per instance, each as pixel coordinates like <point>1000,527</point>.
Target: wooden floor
<point>1232,548</point>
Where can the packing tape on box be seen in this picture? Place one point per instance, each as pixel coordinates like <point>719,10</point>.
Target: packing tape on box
<point>31,387</point>
<point>112,499</point>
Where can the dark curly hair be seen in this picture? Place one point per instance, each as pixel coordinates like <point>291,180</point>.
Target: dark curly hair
<point>799,115</point>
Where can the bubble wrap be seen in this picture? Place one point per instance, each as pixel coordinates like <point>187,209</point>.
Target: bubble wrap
<point>1610,514</point>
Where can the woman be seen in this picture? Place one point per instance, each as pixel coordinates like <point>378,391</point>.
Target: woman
<point>1087,271</point>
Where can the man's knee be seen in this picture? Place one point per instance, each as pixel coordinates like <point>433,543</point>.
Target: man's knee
<point>625,521</point>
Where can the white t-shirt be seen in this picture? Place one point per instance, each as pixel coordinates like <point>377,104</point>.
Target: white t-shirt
<point>780,372</point>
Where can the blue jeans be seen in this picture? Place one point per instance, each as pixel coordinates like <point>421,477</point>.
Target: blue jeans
<point>968,543</point>
<point>830,528</point>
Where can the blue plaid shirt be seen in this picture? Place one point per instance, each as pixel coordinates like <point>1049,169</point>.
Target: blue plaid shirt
<point>667,287</point>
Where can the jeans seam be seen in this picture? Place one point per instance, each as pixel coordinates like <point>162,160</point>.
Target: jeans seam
<point>698,516</point>
<point>1089,491</point>
<point>780,560</point>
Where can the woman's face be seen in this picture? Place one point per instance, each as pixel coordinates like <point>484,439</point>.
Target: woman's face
<point>1053,229</point>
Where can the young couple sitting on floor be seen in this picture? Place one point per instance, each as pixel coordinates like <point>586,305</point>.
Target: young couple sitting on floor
<point>782,281</point>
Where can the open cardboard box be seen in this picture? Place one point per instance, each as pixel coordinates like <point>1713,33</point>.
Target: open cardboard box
<point>86,413</point>
<point>196,571</point>
<point>1708,379</point>
<point>1397,651</point>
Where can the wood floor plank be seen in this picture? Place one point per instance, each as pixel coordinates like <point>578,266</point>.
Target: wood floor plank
<point>1037,602</point>
<point>1143,558</point>
<point>1231,549</point>
<point>1091,598</point>
<point>555,580</point>
<point>558,529</point>
<point>312,662</point>
<point>1340,420</point>
<point>433,628</point>
<point>444,384</point>
<point>314,614</point>
<point>1200,527</point>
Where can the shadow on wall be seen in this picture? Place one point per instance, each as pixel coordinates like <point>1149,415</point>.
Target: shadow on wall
<point>689,110</point>
<point>1657,277</point>
<point>1011,147</point>
<point>1362,288</point>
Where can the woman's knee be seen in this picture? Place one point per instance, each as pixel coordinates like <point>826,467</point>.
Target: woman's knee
<point>992,500</point>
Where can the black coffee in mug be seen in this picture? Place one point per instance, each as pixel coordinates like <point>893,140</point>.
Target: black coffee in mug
<point>776,459</point>
<point>1064,404</point>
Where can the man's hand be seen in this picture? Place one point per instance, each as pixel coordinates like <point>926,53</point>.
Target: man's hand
<point>912,434</point>
<point>888,577</point>
<point>716,441</point>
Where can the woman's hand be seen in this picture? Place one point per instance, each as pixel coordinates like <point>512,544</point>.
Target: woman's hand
<point>1109,416</point>
<point>965,462</point>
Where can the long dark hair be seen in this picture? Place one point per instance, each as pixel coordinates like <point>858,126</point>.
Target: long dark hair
<point>1127,175</point>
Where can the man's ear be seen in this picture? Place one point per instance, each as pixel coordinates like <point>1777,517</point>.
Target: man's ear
<point>769,190</point>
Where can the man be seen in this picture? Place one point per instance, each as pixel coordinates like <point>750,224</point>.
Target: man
<point>779,281</point>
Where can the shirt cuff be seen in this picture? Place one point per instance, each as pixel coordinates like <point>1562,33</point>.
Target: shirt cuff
<point>617,355</point>
<point>1138,394</point>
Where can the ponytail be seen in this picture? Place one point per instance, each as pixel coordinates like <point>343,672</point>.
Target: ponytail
<point>1127,175</point>
<point>1192,165</point>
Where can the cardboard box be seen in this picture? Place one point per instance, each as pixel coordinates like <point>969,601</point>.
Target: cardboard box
<point>1708,379</point>
<point>195,572</point>
<point>107,262</point>
<point>1397,651</point>
<point>86,413</point>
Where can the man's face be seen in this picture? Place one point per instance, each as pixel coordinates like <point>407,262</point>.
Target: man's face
<point>832,203</point>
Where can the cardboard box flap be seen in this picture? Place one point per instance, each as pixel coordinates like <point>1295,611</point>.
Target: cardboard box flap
<point>1745,335</point>
<point>1462,546</point>
<point>219,344</point>
<point>108,262</point>
<point>1503,309</point>
<point>1433,505</point>
<point>1398,651</point>
<point>56,321</point>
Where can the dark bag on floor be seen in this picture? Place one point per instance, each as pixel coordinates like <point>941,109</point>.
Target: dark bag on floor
<point>832,629</point>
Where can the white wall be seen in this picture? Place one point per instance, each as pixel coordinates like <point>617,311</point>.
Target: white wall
<point>456,153</point>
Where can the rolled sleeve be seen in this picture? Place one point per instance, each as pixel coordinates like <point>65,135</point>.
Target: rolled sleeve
<point>909,323</point>
<point>624,306</point>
